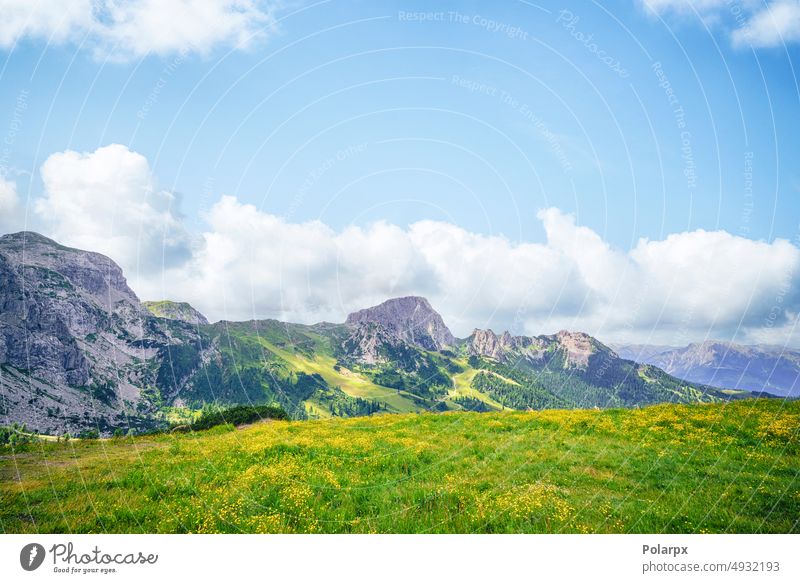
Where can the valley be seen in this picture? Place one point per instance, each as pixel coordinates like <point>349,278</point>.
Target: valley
<point>81,354</point>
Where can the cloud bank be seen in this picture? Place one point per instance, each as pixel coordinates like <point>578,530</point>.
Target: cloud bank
<point>137,28</point>
<point>774,25</point>
<point>250,264</point>
<point>108,201</point>
<point>10,208</point>
<point>750,23</point>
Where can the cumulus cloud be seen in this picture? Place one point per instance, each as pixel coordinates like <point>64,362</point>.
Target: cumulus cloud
<point>51,20</point>
<point>108,201</point>
<point>247,263</point>
<point>684,6</point>
<point>689,286</point>
<point>253,264</point>
<point>9,200</point>
<point>754,23</point>
<point>137,28</point>
<point>9,204</point>
<point>775,25</point>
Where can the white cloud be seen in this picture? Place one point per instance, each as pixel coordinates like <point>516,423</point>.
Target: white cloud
<point>775,25</point>
<point>251,264</point>
<point>687,287</point>
<point>136,28</point>
<point>108,201</point>
<point>51,20</point>
<point>10,208</point>
<point>685,6</point>
<point>755,23</point>
<point>9,200</point>
<point>488,280</point>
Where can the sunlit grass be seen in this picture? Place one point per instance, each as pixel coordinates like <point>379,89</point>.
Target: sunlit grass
<point>462,387</point>
<point>670,468</point>
<point>351,383</point>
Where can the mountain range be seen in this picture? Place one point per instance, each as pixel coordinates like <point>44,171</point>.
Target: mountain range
<point>79,351</point>
<point>756,368</point>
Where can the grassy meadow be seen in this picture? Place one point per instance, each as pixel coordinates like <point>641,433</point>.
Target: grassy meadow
<point>731,467</point>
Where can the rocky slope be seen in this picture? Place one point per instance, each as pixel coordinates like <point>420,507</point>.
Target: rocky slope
<point>756,368</point>
<point>411,319</point>
<point>572,369</point>
<point>180,311</point>
<point>77,349</point>
<point>371,344</point>
<point>575,347</point>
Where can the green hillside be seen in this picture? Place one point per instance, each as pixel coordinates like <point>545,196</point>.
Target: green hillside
<point>321,371</point>
<point>732,467</point>
<point>289,364</point>
<point>142,367</point>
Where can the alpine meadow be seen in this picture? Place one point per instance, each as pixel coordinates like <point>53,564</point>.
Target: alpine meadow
<point>384,423</point>
<point>399,267</point>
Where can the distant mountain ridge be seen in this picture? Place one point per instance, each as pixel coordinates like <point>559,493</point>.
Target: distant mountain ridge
<point>577,346</point>
<point>79,351</point>
<point>754,368</point>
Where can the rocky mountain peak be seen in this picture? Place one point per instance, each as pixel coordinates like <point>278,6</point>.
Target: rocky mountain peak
<point>368,342</point>
<point>94,276</point>
<point>180,311</point>
<point>504,346</point>
<point>487,343</point>
<point>576,347</point>
<point>73,335</point>
<point>411,319</point>
<point>579,346</point>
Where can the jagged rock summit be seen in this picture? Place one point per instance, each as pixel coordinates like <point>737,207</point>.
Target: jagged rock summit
<point>487,343</point>
<point>94,276</point>
<point>576,347</point>
<point>180,311</point>
<point>411,319</point>
<point>76,345</point>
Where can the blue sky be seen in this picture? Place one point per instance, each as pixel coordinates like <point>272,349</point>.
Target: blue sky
<point>474,114</point>
<point>227,114</point>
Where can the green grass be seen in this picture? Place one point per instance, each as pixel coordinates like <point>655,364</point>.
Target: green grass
<point>462,387</point>
<point>669,468</point>
<point>351,383</point>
